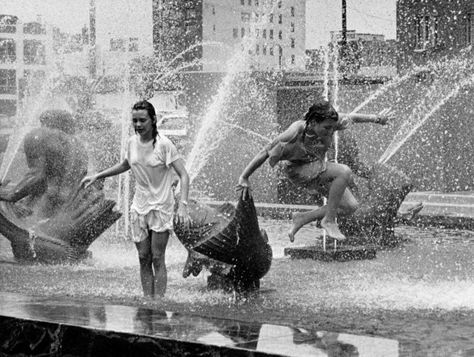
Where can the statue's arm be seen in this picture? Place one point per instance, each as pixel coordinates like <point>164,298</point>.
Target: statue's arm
<point>34,181</point>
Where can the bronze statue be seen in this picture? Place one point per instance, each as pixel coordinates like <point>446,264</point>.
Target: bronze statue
<point>229,242</point>
<point>46,216</point>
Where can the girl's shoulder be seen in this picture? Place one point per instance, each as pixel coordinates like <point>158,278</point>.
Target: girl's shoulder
<point>296,128</point>
<point>163,142</point>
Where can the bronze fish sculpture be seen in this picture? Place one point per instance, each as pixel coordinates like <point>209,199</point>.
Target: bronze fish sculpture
<point>228,240</point>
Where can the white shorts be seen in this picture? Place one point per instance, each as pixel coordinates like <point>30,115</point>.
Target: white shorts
<point>156,221</point>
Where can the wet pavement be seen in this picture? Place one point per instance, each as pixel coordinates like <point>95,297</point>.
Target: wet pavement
<point>50,325</point>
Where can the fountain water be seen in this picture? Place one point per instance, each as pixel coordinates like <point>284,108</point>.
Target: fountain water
<point>434,272</point>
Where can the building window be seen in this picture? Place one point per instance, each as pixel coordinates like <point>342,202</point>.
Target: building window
<point>7,50</point>
<point>264,50</point>
<point>257,49</point>
<point>242,32</point>
<point>292,27</point>
<point>279,4</point>
<point>133,44</point>
<point>264,33</point>
<point>270,34</point>
<point>7,81</point>
<point>245,16</point>
<point>213,10</point>
<point>250,2</point>
<point>271,50</point>
<point>280,35</point>
<point>117,44</point>
<point>235,33</point>
<point>292,59</point>
<point>8,24</point>
<point>426,32</point>
<point>242,2</point>
<point>292,11</point>
<point>34,28</point>
<point>292,43</point>
<point>256,3</point>
<point>469,29</point>
<point>8,107</point>
<point>271,18</point>
<point>34,52</point>
<point>280,19</point>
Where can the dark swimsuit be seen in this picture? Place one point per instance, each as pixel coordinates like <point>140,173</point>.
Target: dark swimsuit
<point>303,158</point>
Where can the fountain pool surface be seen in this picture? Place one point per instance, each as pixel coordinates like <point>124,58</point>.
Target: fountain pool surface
<point>419,293</point>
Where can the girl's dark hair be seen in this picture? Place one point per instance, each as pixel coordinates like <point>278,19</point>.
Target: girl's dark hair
<point>146,105</point>
<point>318,112</point>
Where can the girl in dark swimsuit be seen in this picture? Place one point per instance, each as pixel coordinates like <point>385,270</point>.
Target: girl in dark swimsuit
<point>302,149</point>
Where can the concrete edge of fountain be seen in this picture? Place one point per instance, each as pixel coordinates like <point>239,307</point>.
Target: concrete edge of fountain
<point>448,210</point>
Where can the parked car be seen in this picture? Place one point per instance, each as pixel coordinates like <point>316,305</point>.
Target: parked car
<point>174,124</point>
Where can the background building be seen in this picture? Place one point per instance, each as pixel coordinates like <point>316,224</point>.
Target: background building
<point>427,30</point>
<point>271,32</point>
<point>25,55</point>
<point>119,31</point>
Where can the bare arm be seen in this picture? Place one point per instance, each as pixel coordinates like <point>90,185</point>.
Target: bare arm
<point>382,118</point>
<point>178,165</point>
<point>263,155</point>
<point>111,171</point>
<point>183,215</point>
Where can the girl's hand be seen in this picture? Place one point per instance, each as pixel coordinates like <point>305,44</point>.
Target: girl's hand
<point>243,183</point>
<point>182,214</point>
<point>385,116</point>
<point>343,124</point>
<point>88,180</point>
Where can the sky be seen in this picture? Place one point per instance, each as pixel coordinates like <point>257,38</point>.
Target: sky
<point>322,16</point>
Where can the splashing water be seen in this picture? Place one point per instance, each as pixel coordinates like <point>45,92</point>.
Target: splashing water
<point>381,90</point>
<point>211,133</point>
<point>450,77</point>
<point>247,131</point>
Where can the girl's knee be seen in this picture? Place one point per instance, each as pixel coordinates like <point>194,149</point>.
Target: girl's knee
<point>145,258</point>
<point>351,207</point>
<point>158,255</point>
<point>346,172</point>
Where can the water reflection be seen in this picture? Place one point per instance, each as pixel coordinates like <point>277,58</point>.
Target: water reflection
<point>252,336</point>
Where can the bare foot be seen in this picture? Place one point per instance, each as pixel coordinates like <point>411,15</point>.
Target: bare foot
<point>332,229</point>
<point>295,227</point>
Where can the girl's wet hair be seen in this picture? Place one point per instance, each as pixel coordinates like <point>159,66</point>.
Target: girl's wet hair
<point>146,105</point>
<point>321,111</point>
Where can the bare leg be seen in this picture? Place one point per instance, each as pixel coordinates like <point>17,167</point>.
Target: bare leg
<point>303,218</point>
<point>146,269</point>
<point>340,175</point>
<point>348,205</point>
<point>159,242</point>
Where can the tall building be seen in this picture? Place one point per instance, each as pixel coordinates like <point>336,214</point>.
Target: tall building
<point>431,29</point>
<point>119,31</point>
<point>210,32</point>
<point>25,54</point>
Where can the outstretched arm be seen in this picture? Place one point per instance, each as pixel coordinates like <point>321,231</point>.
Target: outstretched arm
<point>111,171</point>
<point>382,118</point>
<point>263,155</point>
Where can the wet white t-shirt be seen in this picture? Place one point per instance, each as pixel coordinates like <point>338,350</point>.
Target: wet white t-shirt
<point>153,173</point>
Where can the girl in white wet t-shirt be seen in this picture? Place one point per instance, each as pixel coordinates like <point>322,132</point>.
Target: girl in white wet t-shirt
<point>154,161</point>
